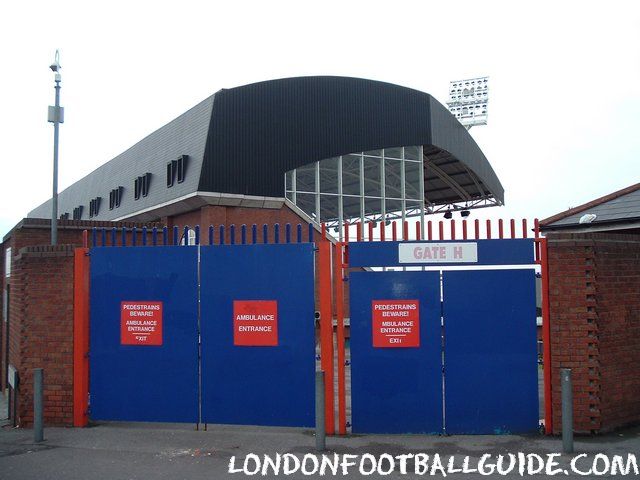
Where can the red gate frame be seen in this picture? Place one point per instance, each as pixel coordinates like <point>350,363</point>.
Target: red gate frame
<point>341,264</point>
<point>338,272</point>
<point>326,327</point>
<point>81,334</point>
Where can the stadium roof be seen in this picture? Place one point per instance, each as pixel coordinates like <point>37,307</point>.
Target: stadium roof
<point>239,142</point>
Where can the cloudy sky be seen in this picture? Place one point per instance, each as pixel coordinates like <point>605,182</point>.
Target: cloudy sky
<point>564,100</point>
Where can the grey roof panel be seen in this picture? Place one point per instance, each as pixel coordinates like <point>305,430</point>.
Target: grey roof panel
<point>625,207</point>
<point>185,135</point>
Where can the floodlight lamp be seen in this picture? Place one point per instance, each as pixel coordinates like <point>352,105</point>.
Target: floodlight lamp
<point>468,101</point>
<point>448,214</point>
<point>465,213</point>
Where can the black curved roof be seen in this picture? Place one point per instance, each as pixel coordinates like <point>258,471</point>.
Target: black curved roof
<point>240,141</point>
<point>262,130</point>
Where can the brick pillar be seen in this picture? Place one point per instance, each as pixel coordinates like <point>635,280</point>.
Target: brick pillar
<point>41,330</point>
<point>574,330</point>
<point>618,307</point>
<point>594,294</point>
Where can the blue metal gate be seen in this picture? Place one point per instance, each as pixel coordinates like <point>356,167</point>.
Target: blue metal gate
<point>266,381</point>
<point>491,377</point>
<point>477,338</point>
<point>396,390</point>
<point>211,334</point>
<point>131,380</point>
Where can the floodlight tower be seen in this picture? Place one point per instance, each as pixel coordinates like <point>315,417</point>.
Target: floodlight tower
<point>468,101</point>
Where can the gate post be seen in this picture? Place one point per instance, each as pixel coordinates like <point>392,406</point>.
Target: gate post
<point>81,337</point>
<point>567,410</point>
<point>326,326</point>
<point>338,280</point>
<point>546,335</point>
<point>38,405</point>
<point>320,413</point>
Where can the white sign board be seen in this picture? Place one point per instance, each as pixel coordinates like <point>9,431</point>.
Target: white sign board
<point>450,252</point>
<point>7,262</point>
<point>11,376</point>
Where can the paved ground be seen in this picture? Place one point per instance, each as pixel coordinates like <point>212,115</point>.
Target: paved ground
<point>4,408</point>
<point>171,451</point>
<point>142,451</point>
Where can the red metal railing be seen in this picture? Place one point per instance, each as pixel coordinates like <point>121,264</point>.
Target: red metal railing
<point>505,230</point>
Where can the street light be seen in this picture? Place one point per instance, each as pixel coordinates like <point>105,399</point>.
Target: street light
<point>56,116</point>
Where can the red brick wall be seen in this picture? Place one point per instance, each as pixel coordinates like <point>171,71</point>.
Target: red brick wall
<point>594,295</point>
<point>618,308</point>
<point>41,330</point>
<point>227,216</point>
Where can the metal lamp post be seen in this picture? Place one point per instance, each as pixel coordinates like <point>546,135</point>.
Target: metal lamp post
<point>56,116</point>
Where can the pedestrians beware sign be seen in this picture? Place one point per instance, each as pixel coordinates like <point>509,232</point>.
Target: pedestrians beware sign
<point>395,323</point>
<point>255,322</point>
<point>141,323</point>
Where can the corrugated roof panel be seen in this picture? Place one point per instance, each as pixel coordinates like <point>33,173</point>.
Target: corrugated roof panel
<point>262,130</point>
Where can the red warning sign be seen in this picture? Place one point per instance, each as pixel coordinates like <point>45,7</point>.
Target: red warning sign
<point>141,323</point>
<point>255,322</point>
<point>395,323</point>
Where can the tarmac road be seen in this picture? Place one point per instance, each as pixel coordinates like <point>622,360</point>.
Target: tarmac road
<point>114,451</point>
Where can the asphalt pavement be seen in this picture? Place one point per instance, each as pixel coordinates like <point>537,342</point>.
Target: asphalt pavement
<point>114,451</point>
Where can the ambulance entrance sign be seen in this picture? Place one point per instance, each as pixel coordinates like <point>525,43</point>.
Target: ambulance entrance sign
<point>395,323</point>
<point>141,323</point>
<point>255,323</point>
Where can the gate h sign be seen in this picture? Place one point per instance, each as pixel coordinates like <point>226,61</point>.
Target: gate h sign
<point>449,252</point>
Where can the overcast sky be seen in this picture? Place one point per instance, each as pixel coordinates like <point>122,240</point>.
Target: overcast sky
<point>564,80</point>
